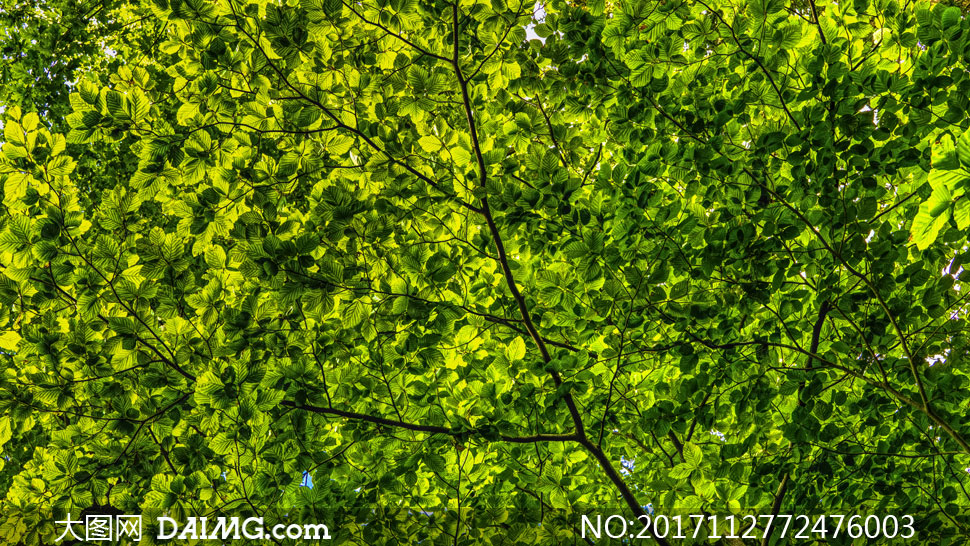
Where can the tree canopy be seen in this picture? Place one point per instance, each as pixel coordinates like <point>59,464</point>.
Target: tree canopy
<point>480,267</point>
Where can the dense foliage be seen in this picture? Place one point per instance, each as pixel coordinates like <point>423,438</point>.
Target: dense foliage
<point>704,254</point>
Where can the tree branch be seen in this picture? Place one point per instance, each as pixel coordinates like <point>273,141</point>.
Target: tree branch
<point>430,429</point>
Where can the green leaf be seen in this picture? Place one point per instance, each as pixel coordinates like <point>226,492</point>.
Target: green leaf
<point>950,17</point>
<point>354,314</point>
<point>945,155</point>
<point>926,226</point>
<point>340,144</point>
<point>215,257</point>
<point>963,150</point>
<point>461,156</point>
<point>13,133</point>
<point>186,113</point>
<point>693,455</point>
<point>430,143</point>
<point>961,212</point>
<point>947,180</point>
<point>137,106</point>
<point>15,187</point>
<point>61,166</point>
<point>939,200</point>
<point>703,486</point>
<point>576,249</point>
<point>418,78</point>
<point>515,350</point>
<point>333,8</point>
<point>558,499</point>
<point>788,36</point>
<point>681,471</point>
<point>114,102</point>
<point>13,152</point>
<point>30,121</point>
<point>8,342</point>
